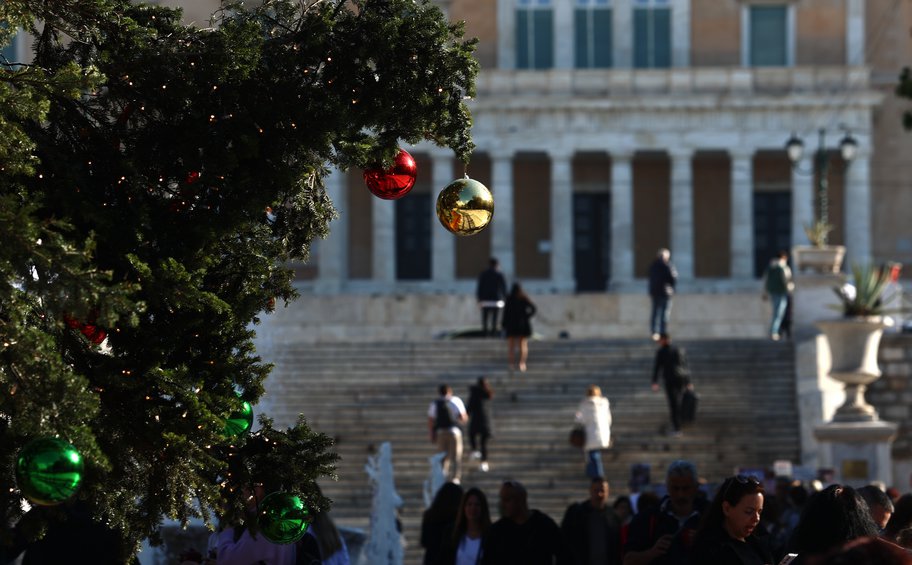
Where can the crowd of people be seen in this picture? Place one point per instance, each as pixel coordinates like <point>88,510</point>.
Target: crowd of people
<point>736,523</point>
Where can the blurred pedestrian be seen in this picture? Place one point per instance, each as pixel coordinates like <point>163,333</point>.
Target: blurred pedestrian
<point>480,395</point>
<point>592,529</point>
<point>662,280</point>
<point>594,413</point>
<point>438,521</point>
<point>446,415</point>
<point>490,294</point>
<point>671,364</point>
<point>517,325</point>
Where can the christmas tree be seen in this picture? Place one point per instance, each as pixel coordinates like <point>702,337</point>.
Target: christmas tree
<point>156,179</point>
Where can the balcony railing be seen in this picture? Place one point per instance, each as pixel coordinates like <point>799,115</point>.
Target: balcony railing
<point>635,82</point>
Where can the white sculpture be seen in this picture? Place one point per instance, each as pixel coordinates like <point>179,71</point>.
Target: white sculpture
<point>435,479</point>
<point>384,545</point>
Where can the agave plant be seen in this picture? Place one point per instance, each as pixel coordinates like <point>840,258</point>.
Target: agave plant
<point>818,232</point>
<point>864,298</point>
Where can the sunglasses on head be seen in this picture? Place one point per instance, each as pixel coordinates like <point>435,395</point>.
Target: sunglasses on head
<point>741,479</point>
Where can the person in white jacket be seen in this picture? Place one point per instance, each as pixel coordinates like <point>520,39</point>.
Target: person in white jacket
<point>594,413</point>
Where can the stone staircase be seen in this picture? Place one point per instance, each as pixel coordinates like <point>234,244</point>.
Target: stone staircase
<point>365,393</point>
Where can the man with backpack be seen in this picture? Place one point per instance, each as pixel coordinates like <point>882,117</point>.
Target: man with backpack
<point>671,363</point>
<point>445,416</point>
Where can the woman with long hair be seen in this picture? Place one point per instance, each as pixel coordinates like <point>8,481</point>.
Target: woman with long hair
<point>466,544</point>
<point>438,520</point>
<point>726,535</point>
<point>517,314</point>
<point>830,518</point>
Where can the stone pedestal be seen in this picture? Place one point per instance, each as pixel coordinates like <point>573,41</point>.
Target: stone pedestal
<point>818,395</point>
<point>858,452</point>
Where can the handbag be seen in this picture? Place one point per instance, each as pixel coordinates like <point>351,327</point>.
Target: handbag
<point>689,402</point>
<point>578,436</point>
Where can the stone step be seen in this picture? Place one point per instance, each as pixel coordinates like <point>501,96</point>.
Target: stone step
<point>366,393</point>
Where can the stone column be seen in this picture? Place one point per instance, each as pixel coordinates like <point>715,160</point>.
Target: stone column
<point>502,224</point>
<point>680,33</point>
<point>383,260</point>
<point>332,254</point>
<point>682,224</point>
<point>858,209</point>
<point>742,215</point>
<point>622,33</point>
<point>855,32</point>
<point>621,219</point>
<point>506,35</point>
<point>443,243</point>
<point>563,20</point>
<point>802,203</point>
<point>562,221</point>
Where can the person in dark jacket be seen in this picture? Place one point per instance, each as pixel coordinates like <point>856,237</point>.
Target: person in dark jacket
<point>522,536</point>
<point>437,522</point>
<point>480,395</point>
<point>662,280</point>
<point>830,518</point>
<point>517,325</point>
<point>727,534</point>
<point>671,364</point>
<point>591,528</point>
<point>490,294</point>
<point>663,535</point>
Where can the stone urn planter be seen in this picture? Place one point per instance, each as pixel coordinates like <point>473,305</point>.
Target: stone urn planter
<point>825,259</point>
<point>854,343</point>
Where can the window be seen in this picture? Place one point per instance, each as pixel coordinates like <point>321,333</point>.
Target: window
<point>592,34</point>
<point>768,36</point>
<point>9,53</point>
<point>651,34</point>
<point>534,34</point>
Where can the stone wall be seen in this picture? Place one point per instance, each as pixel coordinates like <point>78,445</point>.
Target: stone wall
<point>892,396</point>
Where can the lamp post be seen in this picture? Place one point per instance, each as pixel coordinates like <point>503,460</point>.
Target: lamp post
<point>848,147</point>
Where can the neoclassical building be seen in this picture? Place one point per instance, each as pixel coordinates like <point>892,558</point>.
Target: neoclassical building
<point>609,128</point>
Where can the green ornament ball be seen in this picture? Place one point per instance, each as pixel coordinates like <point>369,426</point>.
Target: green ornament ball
<point>283,518</point>
<point>48,471</point>
<point>239,421</point>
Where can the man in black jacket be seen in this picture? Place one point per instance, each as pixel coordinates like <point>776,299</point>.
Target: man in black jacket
<point>522,536</point>
<point>490,293</point>
<point>671,363</point>
<point>662,280</point>
<point>591,528</point>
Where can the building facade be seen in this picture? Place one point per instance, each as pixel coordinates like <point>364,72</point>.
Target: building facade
<point>609,128</point>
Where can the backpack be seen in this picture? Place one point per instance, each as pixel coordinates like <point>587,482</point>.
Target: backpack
<point>444,419</point>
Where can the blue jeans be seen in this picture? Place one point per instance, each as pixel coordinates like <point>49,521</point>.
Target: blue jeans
<point>780,302</point>
<point>594,466</point>
<point>661,311</point>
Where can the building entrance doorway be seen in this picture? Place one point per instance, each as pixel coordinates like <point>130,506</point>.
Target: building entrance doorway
<point>772,227</point>
<point>591,241</point>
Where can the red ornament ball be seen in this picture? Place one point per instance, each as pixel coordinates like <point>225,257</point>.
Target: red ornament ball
<point>93,333</point>
<point>395,182</point>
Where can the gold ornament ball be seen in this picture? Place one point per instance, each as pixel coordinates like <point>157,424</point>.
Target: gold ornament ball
<point>465,206</point>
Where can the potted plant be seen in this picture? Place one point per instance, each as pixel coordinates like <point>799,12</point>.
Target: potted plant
<point>855,339</point>
<point>818,257</point>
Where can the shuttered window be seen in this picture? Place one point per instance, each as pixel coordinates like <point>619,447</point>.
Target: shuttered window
<point>592,34</point>
<point>534,34</point>
<point>651,34</point>
<point>768,36</point>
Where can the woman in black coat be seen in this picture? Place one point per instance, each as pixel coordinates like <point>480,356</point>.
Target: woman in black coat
<point>480,420</point>
<point>517,314</point>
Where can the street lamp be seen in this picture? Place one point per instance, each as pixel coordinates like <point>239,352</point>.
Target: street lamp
<point>848,147</point>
